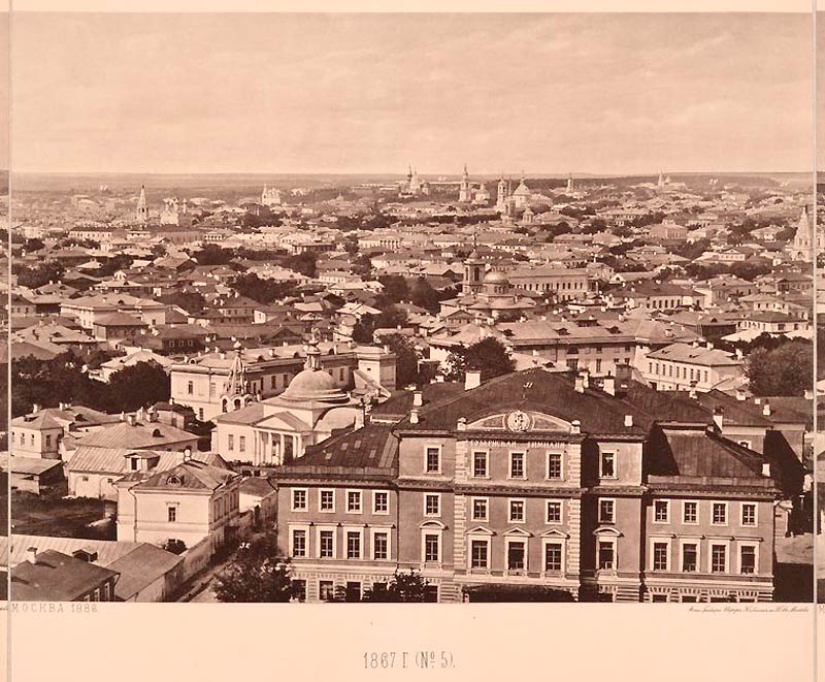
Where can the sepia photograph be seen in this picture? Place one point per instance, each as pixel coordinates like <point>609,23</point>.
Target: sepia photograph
<point>446,308</point>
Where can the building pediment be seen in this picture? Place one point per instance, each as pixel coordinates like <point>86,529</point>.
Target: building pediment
<point>520,421</point>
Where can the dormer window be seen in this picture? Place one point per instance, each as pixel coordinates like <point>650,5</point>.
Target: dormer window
<point>174,480</point>
<point>157,434</point>
<point>133,464</point>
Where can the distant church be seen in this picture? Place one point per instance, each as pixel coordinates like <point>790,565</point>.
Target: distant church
<point>509,202</point>
<point>469,194</point>
<point>805,244</point>
<point>414,186</point>
<point>270,197</point>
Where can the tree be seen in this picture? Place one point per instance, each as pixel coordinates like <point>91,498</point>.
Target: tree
<point>304,263</point>
<point>395,290</point>
<point>423,295</point>
<point>389,318</point>
<point>33,245</point>
<point>262,290</point>
<point>142,384</point>
<point>39,275</point>
<point>489,356</point>
<point>404,587</point>
<point>406,363</point>
<point>784,371</point>
<point>212,254</point>
<point>256,573</point>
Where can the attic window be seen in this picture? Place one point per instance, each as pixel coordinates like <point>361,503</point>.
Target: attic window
<point>174,480</point>
<point>157,434</point>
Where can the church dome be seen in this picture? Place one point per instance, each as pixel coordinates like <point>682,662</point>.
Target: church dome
<point>522,190</point>
<point>313,385</point>
<point>495,277</point>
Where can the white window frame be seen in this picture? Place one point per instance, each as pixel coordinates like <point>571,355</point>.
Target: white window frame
<point>747,543</point>
<point>695,522</point>
<point>477,537</point>
<point>360,494</point>
<point>755,523</point>
<point>486,501</point>
<point>437,496</point>
<point>690,541</point>
<point>293,508</point>
<point>375,531</point>
<point>615,461</point>
<point>334,531</point>
<point>434,446</point>
<point>510,501</point>
<point>660,541</point>
<point>667,511</point>
<point>547,466</point>
<point>375,510</point>
<point>612,500</point>
<point>321,491</point>
<point>360,531</point>
<point>523,540</point>
<point>720,543</point>
<point>547,504</point>
<point>292,529</point>
<point>556,541</point>
<point>431,530</point>
<point>611,539</point>
<point>523,454</point>
<point>727,513</point>
<point>473,454</point>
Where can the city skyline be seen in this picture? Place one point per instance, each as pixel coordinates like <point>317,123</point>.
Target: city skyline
<point>369,94</point>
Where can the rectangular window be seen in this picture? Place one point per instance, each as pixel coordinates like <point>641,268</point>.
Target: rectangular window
<point>433,463</point>
<point>690,557</point>
<point>661,511</point>
<point>479,509</point>
<point>190,388</point>
<point>431,547</point>
<point>299,589</point>
<point>607,511</point>
<point>553,512</point>
<point>299,543</point>
<point>480,464</point>
<point>552,557</point>
<point>516,511</point>
<point>516,555</point>
<point>171,514</point>
<point>608,465</point>
<point>718,558</point>
<point>748,514</point>
<point>380,546</point>
<point>354,501</point>
<point>720,513</point>
<point>690,512</point>
<point>659,556</point>
<point>747,559</point>
<point>606,555</point>
<point>326,501</point>
<point>326,588</point>
<point>299,499</point>
<point>327,544</point>
<point>242,443</point>
<point>230,439</point>
<point>380,502</point>
<point>432,504</point>
<point>353,545</point>
<point>554,465</point>
<point>479,554</point>
<point>516,465</point>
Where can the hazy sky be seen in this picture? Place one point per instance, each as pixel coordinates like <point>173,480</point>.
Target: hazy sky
<point>374,93</point>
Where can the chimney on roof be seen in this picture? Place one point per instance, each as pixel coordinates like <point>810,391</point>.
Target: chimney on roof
<point>766,409</point>
<point>35,408</point>
<point>718,417</point>
<point>628,420</point>
<point>740,395</point>
<point>461,424</point>
<point>579,385</point>
<point>171,400</point>
<point>576,426</point>
<point>413,416</point>
<point>809,394</point>
<point>695,343</point>
<point>757,401</point>
<point>766,469</point>
<point>692,393</point>
<point>418,398</point>
<point>710,345</point>
<point>187,454</point>
<point>131,419</point>
<point>31,555</point>
<point>586,378</point>
<point>472,379</point>
<point>609,385</point>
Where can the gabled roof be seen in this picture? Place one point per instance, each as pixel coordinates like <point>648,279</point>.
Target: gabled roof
<point>188,475</point>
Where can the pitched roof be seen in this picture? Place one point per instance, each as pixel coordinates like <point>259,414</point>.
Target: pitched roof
<point>56,577</point>
<point>188,475</point>
<point>137,436</point>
